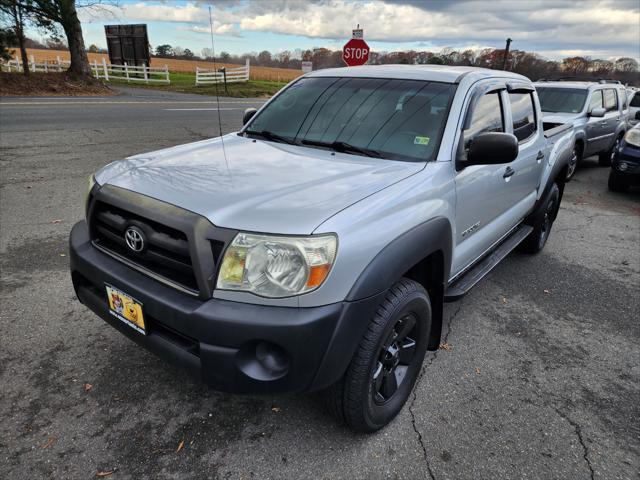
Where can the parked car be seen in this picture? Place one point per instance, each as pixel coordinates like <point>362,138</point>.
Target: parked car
<point>315,248</point>
<point>634,106</point>
<point>598,112</point>
<point>625,167</point>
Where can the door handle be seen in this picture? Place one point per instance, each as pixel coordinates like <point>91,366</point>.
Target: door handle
<point>540,156</point>
<point>508,172</point>
<point>604,122</point>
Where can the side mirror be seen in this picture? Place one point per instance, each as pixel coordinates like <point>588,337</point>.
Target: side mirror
<point>492,148</point>
<point>248,114</point>
<point>597,112</point>
<point>638,115</point>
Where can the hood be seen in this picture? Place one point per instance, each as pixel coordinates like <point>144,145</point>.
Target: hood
<point>261,186</point>
<point>559,117</point>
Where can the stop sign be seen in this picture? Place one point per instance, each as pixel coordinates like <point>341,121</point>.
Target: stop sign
<point>355,52</point>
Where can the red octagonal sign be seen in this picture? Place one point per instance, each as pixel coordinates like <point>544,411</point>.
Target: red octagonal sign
<point>355,52</point>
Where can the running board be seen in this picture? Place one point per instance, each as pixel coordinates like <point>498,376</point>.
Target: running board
<point>462,285</point>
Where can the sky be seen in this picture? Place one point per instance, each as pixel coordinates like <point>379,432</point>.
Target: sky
<point>552,28</point>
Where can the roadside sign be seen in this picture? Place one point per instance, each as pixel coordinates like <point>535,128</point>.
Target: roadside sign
<point>355,52</point>
<point>307,67</point>
<point>357,33</point>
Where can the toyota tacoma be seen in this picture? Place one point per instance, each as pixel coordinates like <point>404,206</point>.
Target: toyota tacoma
<point>314,249</point>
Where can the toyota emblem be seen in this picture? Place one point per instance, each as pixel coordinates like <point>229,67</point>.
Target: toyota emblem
<point>135,239</point>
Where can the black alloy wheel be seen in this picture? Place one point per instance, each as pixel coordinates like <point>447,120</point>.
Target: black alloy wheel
<point>395,357</point>
<point>387,361</point>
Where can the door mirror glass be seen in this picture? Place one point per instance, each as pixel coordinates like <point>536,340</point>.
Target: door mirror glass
<point>597,112</point>
<point>492,149</point>
<point>248,114</point>
<point>638,115</point>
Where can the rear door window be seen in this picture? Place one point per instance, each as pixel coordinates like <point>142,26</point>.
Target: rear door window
<point>635,100</point>
<point>486,117</point>
<point>523,114</point>
<point>596,100</point>
<point>610,99</point>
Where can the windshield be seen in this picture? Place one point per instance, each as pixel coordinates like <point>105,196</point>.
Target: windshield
<point>561,100</point>
<point>385,118</point>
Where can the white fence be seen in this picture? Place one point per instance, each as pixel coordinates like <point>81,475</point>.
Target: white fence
<point>130,73</point>
<point>15,65</point>
<point>207,76</point>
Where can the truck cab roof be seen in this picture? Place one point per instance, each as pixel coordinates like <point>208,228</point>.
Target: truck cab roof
<point>433,73</point>
<point>578,85</point>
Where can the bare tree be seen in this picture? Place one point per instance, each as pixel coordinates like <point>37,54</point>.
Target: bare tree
<point>51,14</point>
<point>13,10</point>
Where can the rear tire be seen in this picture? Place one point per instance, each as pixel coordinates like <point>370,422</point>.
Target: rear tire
<point>388,360</point>
<point>616,183</point>
<point>605,158</point>
<point>542,222</point>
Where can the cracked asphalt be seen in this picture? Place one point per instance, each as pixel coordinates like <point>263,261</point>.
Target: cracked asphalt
<point>540,378</point>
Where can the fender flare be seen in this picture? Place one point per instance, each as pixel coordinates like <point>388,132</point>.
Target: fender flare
<point>397,257</point>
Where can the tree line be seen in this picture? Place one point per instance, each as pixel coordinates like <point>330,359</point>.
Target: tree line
<point>528,64</point>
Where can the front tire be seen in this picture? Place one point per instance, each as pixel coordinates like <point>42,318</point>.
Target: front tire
<point>616,183</point>
<point>542,222</point>
<point>605,158</point>
<point>576,156</point>
<point>386,364</point>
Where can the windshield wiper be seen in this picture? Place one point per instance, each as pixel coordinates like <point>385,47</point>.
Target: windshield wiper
<point>344,147</point>
<point>266,134</point>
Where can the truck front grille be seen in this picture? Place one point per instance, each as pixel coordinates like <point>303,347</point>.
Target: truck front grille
<point>165,251</point>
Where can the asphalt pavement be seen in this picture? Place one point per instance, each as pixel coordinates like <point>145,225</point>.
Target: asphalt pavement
<point>540,377</point>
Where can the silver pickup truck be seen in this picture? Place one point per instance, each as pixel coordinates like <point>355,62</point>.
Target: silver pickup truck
<point>598,111</point>
<point>315,248</point>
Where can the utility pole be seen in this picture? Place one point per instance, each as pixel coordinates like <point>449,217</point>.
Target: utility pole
<point>506,54</point>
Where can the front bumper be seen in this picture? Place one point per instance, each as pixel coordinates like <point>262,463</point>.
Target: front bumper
<point>233,347</point>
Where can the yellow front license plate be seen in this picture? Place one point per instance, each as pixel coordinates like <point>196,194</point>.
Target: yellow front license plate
<point>126,309</point>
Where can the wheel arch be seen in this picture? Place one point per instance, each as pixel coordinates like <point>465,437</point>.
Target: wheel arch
<point>422,254</point>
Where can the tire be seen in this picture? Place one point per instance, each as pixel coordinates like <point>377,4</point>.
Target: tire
<point>574,161</point>
<point>542,222</point>
<point>617,183</point>
<point>604,159</point>
<point>365,397</point>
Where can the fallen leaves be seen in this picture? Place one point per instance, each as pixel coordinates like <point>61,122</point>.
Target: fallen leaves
<point>504,300</point>
<point>49,442</point>
<point>105,473</point>
<point>445,346</point>
<point>547,291</point>
<point>275,409</point>
<point>180,446</point>
<point>87,386</point>
<point>477,371</point>
<point>57,220</point>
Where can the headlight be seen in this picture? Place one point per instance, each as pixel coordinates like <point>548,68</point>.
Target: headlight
<point>273,266</point>
<point>632,137</point>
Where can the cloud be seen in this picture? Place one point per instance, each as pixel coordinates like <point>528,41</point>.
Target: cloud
<point>147,12</point>
<point>599,27</point>
<point>218,29</point>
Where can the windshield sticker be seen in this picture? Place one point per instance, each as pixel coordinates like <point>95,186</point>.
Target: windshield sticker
<point>421,141</point>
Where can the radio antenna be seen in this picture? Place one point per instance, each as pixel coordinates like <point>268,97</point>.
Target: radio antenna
<point>215,84</point>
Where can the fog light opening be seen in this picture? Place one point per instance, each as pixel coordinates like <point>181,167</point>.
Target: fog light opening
<point>263,360</point>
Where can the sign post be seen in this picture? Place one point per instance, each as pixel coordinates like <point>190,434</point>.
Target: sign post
<point>356,51</point>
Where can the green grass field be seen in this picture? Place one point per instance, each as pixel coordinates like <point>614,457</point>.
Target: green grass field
<point>186,83</point>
